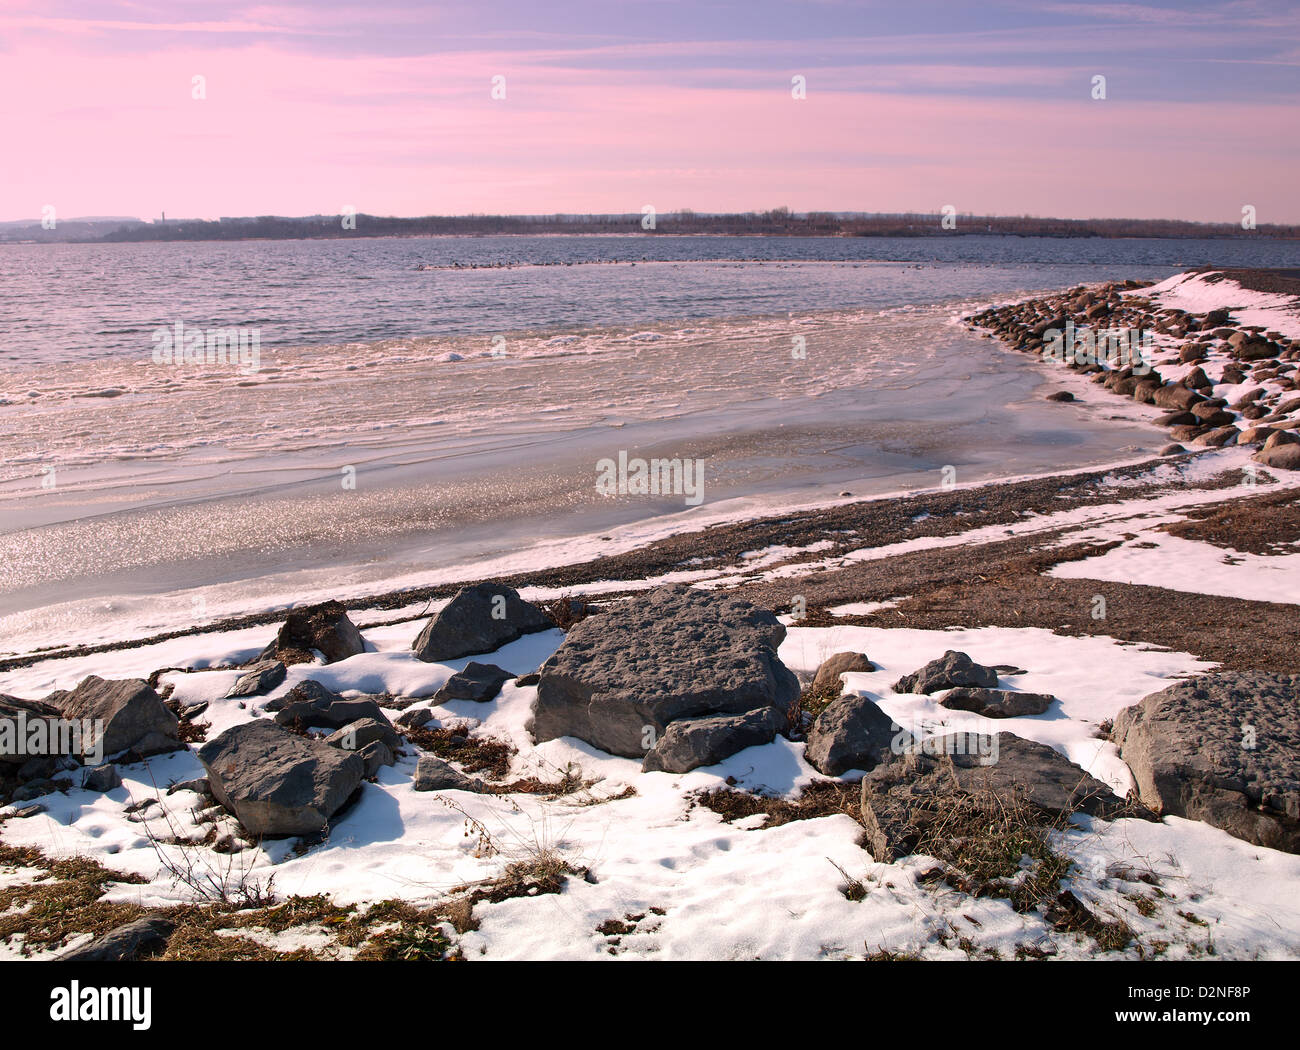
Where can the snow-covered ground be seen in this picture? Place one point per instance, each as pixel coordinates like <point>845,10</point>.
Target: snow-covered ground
<point>725,891</point>
<point>1199,293</point>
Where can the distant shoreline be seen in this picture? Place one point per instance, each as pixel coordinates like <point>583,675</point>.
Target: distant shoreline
<point>777,223</point>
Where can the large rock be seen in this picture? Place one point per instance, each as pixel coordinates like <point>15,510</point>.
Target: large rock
<point>479,619</point>
<point>828,674</point>
<point>621,678</point>
<point>356,735</point>
<point>1222,748</point>
<point>131,713</point>
<point>309,691</point>
<point>1219,437</point>
<point>1280,437</point>
<point>375,755</point>
<point>853,733</point>
<point>261,678</point>
<point>691,742</point>
<point>1285,455</point>
<point>996,703</point>
<point>1255,349</point>
<point>950,670</point>
<point>276,782</point>
<point>141,939</point>
<point>101,778</point>
<point>324,628</point>
<point>478,682</point>
<point>903,797</point>
<point>17,717</point>
<point>310,705</point>
<point>434,774</point>
<point>1177,398</point>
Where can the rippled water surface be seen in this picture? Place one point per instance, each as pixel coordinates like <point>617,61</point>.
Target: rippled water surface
<point>467,402</point>
<point>72,302</point>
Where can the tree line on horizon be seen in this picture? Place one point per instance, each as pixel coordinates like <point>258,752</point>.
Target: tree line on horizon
<point>774,222</point>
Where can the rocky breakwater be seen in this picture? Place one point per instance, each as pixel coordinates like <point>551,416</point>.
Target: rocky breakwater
<point>1219,382</point>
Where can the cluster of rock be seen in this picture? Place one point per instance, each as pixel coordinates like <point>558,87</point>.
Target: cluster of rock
<point>682,678</point>
<point>854,733</point>
<point>1264,417</point>
<point>277,779</point>
<point>111,718</point>
<point>272,774</point>
<point>323,630</point>
<point>1222,748</point>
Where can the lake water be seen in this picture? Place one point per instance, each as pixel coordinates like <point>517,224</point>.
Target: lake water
<point>72,302</point>
<point>404,419</point>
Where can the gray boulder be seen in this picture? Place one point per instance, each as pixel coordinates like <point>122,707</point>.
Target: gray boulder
<point>828,674</point>
<point>324,628</point>
<point>145,937</point>
<point>950,670</point>
<point>1224,749</point>
<point>415,719</point>
<point>356,735</point>
<point>310,691</point>
<point>853,733</point>
<point>131,713</point>
<point>318,708</point>
<point>276,782</point>
<point>18,715</point>
<point>376,755</point>
<point>102,778</point>
<point>900,799</point>
<point>479,619</point>
<point>1286,456</point>
<point>433,774</point>
<point>996,703</point>
<point>478,682</point>
<point>691,742</point>
<point>261,678</point>
<point>621,678</point>
<point>1176,398</point>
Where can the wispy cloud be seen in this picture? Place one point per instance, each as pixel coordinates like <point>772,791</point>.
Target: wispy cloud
<point>309,109</point>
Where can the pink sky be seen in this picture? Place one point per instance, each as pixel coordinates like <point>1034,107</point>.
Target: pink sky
<point>106,125</point>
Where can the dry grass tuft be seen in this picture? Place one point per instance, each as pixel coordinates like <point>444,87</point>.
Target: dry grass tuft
<point>569,609</point>
<point>822,798</point>
<point>485,755</point>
